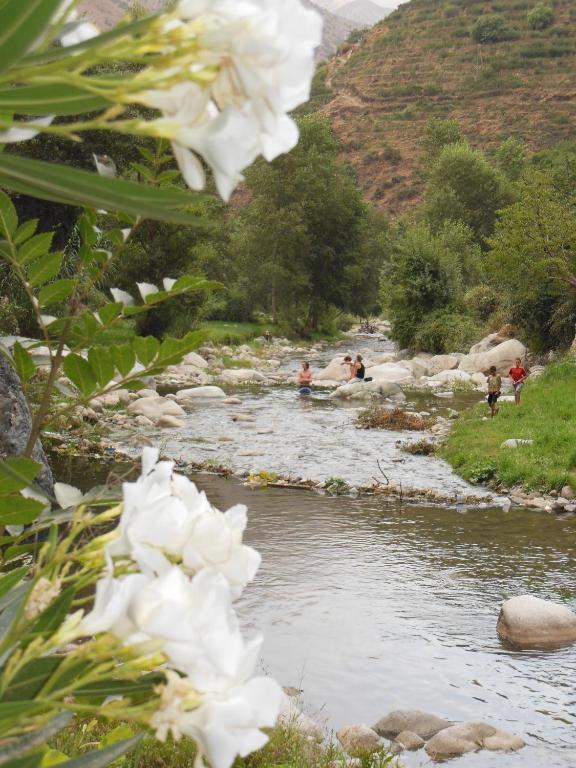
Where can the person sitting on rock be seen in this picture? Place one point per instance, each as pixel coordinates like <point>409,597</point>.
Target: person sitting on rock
<point>494,390</point>
<point>357,370</point>
<point>305,375</point>
<point>518,374</point>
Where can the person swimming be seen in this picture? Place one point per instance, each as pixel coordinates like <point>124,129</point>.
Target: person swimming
<point>305,375</point>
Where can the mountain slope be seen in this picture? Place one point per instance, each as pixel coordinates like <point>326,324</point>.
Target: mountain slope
<point>422,62</point>
<point>106,13</point>
<point>363,12</point>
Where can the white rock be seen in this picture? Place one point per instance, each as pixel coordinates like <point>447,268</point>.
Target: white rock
<point>421,723</point>
<point>146,393</point>
<point>450,376</point>
<point>144,421</point>
<point>487,343</point>
<point>470,737</point>
<point>514,442</point>
<point>359,738</point>
<point>169,422</point>
<point>410,740</point>
<point>155,407</point>
<point>502,356</point>
<point>418,367</point>
<point>200,393</point>
<point>241,376</point>
<point>529,621</point>
<point>369,390</point>
<point>393,372</point>
<point>478,379</point>
<point>232,401</point>
<point>567,492</point>
<point>443,363</point>
<point>243,417</point>
<point>112,399</point>
<point>336,370</point>
<point>193,358</point>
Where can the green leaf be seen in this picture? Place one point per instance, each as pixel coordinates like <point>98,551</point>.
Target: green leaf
<point>80,373</point>
<point>120,733</point>
<point>16,510</point>
<point>12,611</point>
<point>34,739</point>
<point>17,473</point>
<point>61,184</point>
<point>45,269</point>
<point>124,358</point>
<point>136,689</point>
<point>25,231</point>
<point>50,619</point>
<point>30,761</point>
<point>21,25</point>
<point>8,581</point>
<point>25,366</point>
<point>146,348</point>
<point>173,350</point>
<point>35,247</point>
<point>50,100</point>
<point>104,756</point>
<point>31,678</point>
<point>53,757</point>
<point>102,365</point>
<point>109,311</point>
<point>8,216</point>
<point>55,292</point>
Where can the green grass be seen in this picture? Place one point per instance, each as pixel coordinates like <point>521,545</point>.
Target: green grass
<point>546,415</point>
<point>225,332</point>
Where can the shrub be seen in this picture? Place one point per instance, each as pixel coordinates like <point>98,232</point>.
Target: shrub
<point>482,301</point>
<point>482,472</point>
<point>492,28</point>
<point>419,448</point>
<point>395,419</point>
<point>540,17</point>
<point>8,317</point>
<point>443,332</point>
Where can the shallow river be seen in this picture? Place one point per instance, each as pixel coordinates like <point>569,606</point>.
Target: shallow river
<point>369,605</point>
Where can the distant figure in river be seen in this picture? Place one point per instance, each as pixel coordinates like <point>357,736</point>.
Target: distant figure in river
<point>268,336</point>
<point>518,374</point>
<point>494,390</point>
<point>357,370</point>
<point>305,375</point>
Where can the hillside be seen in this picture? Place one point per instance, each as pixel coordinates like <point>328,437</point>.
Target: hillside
<point>422,62</point>
<point>363,12</point>
<point>105,13</point>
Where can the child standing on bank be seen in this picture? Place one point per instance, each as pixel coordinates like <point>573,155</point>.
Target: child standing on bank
<point>518,374</point>
<point>494,390</point>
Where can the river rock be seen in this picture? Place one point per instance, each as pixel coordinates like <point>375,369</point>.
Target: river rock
<point>146,393</point>
<point>241,376</point>
<point>470,737</point>
<point>478,379</point>
<point>144,421</point>
<point>155,407</point>
<point>447,377</point>
<point>169,422</point>
<point>369,390</point>
<point>418,367</point>
<point>440,363</point>
<point>336,370</point>
<point>487,343</point>
<point>232,401</point>
<point>359,738</point>
<point>410,740</point>
<point>527,621</point>
<point>247,417</point>
<point>16,422</point>
<point>200,393</point>
<point>567,492</point>
<point>293,718</point>
<point>421,723</point>
<point>502,356</point>
<point>392,372</point>
<point>193,358</point>
<point>112,399</point>
<point>515,442</point>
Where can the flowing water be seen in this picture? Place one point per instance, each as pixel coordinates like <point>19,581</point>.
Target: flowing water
<point>369,605</point>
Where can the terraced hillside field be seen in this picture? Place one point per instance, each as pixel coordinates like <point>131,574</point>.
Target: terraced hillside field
<point>423,61</point>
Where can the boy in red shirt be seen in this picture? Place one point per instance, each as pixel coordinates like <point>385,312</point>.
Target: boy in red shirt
<point>518,374</point>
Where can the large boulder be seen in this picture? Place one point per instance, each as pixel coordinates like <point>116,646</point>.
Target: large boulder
<point>193,358</point>
<point>448,377</point>
<point>241,376</point>
<point>502,356</point>
<point>359,739</point>
<point>418,366</point>
<point>487,343</point>
<point>443,363</point>
<point>155,407</point>
<point>16,422</point>
<point>423,724</point>
<point>369,390</point>
<point>200,393</point>
<point>336,370</point>
<point>470,737</point>
<point>398,374</point>
<point>529,621</point>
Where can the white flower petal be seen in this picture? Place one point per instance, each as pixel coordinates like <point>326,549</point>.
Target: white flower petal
<point>121,297</point>
<point>67,495</point>
<point>78,32</point>
<point>168,283</point>
<point>146,289</point>
<point>24,134</point>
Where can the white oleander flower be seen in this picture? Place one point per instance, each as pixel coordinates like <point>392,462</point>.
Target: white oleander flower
<point>146,289</point>
<point>78,32</point>
<point>12,135</point>
<point>122,297</point>
<point>67,495</point>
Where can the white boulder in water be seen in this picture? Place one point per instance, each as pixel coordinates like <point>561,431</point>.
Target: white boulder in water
<point>529,621</point>
<point>155,407</point>
<point>393,372</point>
<point>241,376</point>
<point>193,358</point>
<point>200,393</point>
<point>443,363</point>
<point>447,377</point>
<point>424,724</point>
<point>471,737</point>
<point>359,739</point>
<point>502,356</point>
<point>369,390</point>
<point>336,370</point>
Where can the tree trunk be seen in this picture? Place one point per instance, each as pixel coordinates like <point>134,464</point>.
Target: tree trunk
<point>16,422</point>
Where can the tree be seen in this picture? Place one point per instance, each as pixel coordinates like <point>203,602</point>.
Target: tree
<point>440,133</point>
<point>540,17</point>
<point>463,186</point>
<point>533,260</point>
<point>511,158</point>
<point>302,229</point>
<point>492,28</point>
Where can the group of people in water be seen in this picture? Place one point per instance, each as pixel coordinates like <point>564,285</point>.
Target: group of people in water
<point>517,373</point>
<point>356,369</point>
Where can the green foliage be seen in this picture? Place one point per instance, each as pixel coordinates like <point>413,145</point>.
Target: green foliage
<point>545,416</point>
<point>443,332</point>
<point>482,301</point>
<point>440,133</point>
<point>419,447</point>
<point>492,28</point>
<point>464,187</point>
<point>511,158</point>
<point>533,261</point>
<point>541,16</point>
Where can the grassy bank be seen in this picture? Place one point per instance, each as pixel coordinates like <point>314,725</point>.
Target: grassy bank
<point>547,415</point>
